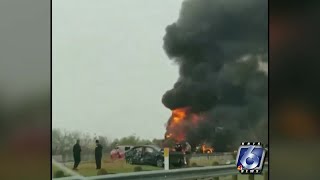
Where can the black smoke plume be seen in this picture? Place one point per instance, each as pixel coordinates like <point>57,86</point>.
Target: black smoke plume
<point>219,46</point>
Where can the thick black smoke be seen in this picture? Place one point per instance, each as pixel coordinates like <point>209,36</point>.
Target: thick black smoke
<point>219,45</point>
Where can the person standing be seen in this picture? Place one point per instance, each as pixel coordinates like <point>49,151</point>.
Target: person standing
<point>98,154</point>
<point>178,147</point>
<point>188,152</point>
<point>76,154</point>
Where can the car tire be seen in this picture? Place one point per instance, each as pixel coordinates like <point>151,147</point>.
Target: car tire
<point>159,163</point>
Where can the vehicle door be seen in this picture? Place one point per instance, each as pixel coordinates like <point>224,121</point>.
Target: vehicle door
<point>150,156</point>
<point>137,155</point>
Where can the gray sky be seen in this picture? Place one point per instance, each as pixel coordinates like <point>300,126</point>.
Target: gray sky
<point>109,68</point>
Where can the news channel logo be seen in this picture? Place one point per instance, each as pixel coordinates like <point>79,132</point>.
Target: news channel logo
<point>250,158</point>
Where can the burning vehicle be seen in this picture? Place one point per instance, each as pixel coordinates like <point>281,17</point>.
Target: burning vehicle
<point>222,83</point>
<point>153,155</point>
<point>204,149</point>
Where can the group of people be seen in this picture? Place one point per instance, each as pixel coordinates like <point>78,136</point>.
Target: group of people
<point>184,147</point>
<point>77,154</point>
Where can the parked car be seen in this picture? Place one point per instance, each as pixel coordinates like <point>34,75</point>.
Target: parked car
<point>119,151</point>
<point>153,155</point>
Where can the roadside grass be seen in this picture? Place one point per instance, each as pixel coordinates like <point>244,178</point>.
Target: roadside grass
<point>118,166</point>
<point>55,169</point>
<point>242,177</point>
<point>209,161</point>
<point>202,162</point>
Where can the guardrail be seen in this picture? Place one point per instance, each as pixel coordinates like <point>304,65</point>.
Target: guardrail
<point>213,172</point>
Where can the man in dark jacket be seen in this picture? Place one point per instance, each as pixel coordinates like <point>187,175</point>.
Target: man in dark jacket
<point>76,154</point>
<point>98,154</point>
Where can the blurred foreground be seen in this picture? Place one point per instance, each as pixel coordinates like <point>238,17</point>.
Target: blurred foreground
<point>294,87</point>
<point>25,102</point>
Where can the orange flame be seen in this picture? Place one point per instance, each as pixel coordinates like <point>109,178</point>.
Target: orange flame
<point>169,135</point>
<point>179,115</point>
<point>174,130</point>
<point>206,149</point>
<point>182,120</point>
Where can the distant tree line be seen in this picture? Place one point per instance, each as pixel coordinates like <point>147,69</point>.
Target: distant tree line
<point>63,141</point>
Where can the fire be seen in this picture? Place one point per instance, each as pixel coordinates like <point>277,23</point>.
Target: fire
<point>206,149</point>
<point>179,115</point>
<point>174,128</point>
<point>181,121</point>
<point>169,135</point>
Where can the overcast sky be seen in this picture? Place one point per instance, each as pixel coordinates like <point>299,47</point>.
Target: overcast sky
<point>109,68</point>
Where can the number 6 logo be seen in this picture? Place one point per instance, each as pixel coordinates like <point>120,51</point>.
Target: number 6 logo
<point>248,155</point>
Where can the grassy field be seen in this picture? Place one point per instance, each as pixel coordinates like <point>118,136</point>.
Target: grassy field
<point>119,166</point>
<point>203,162</point>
